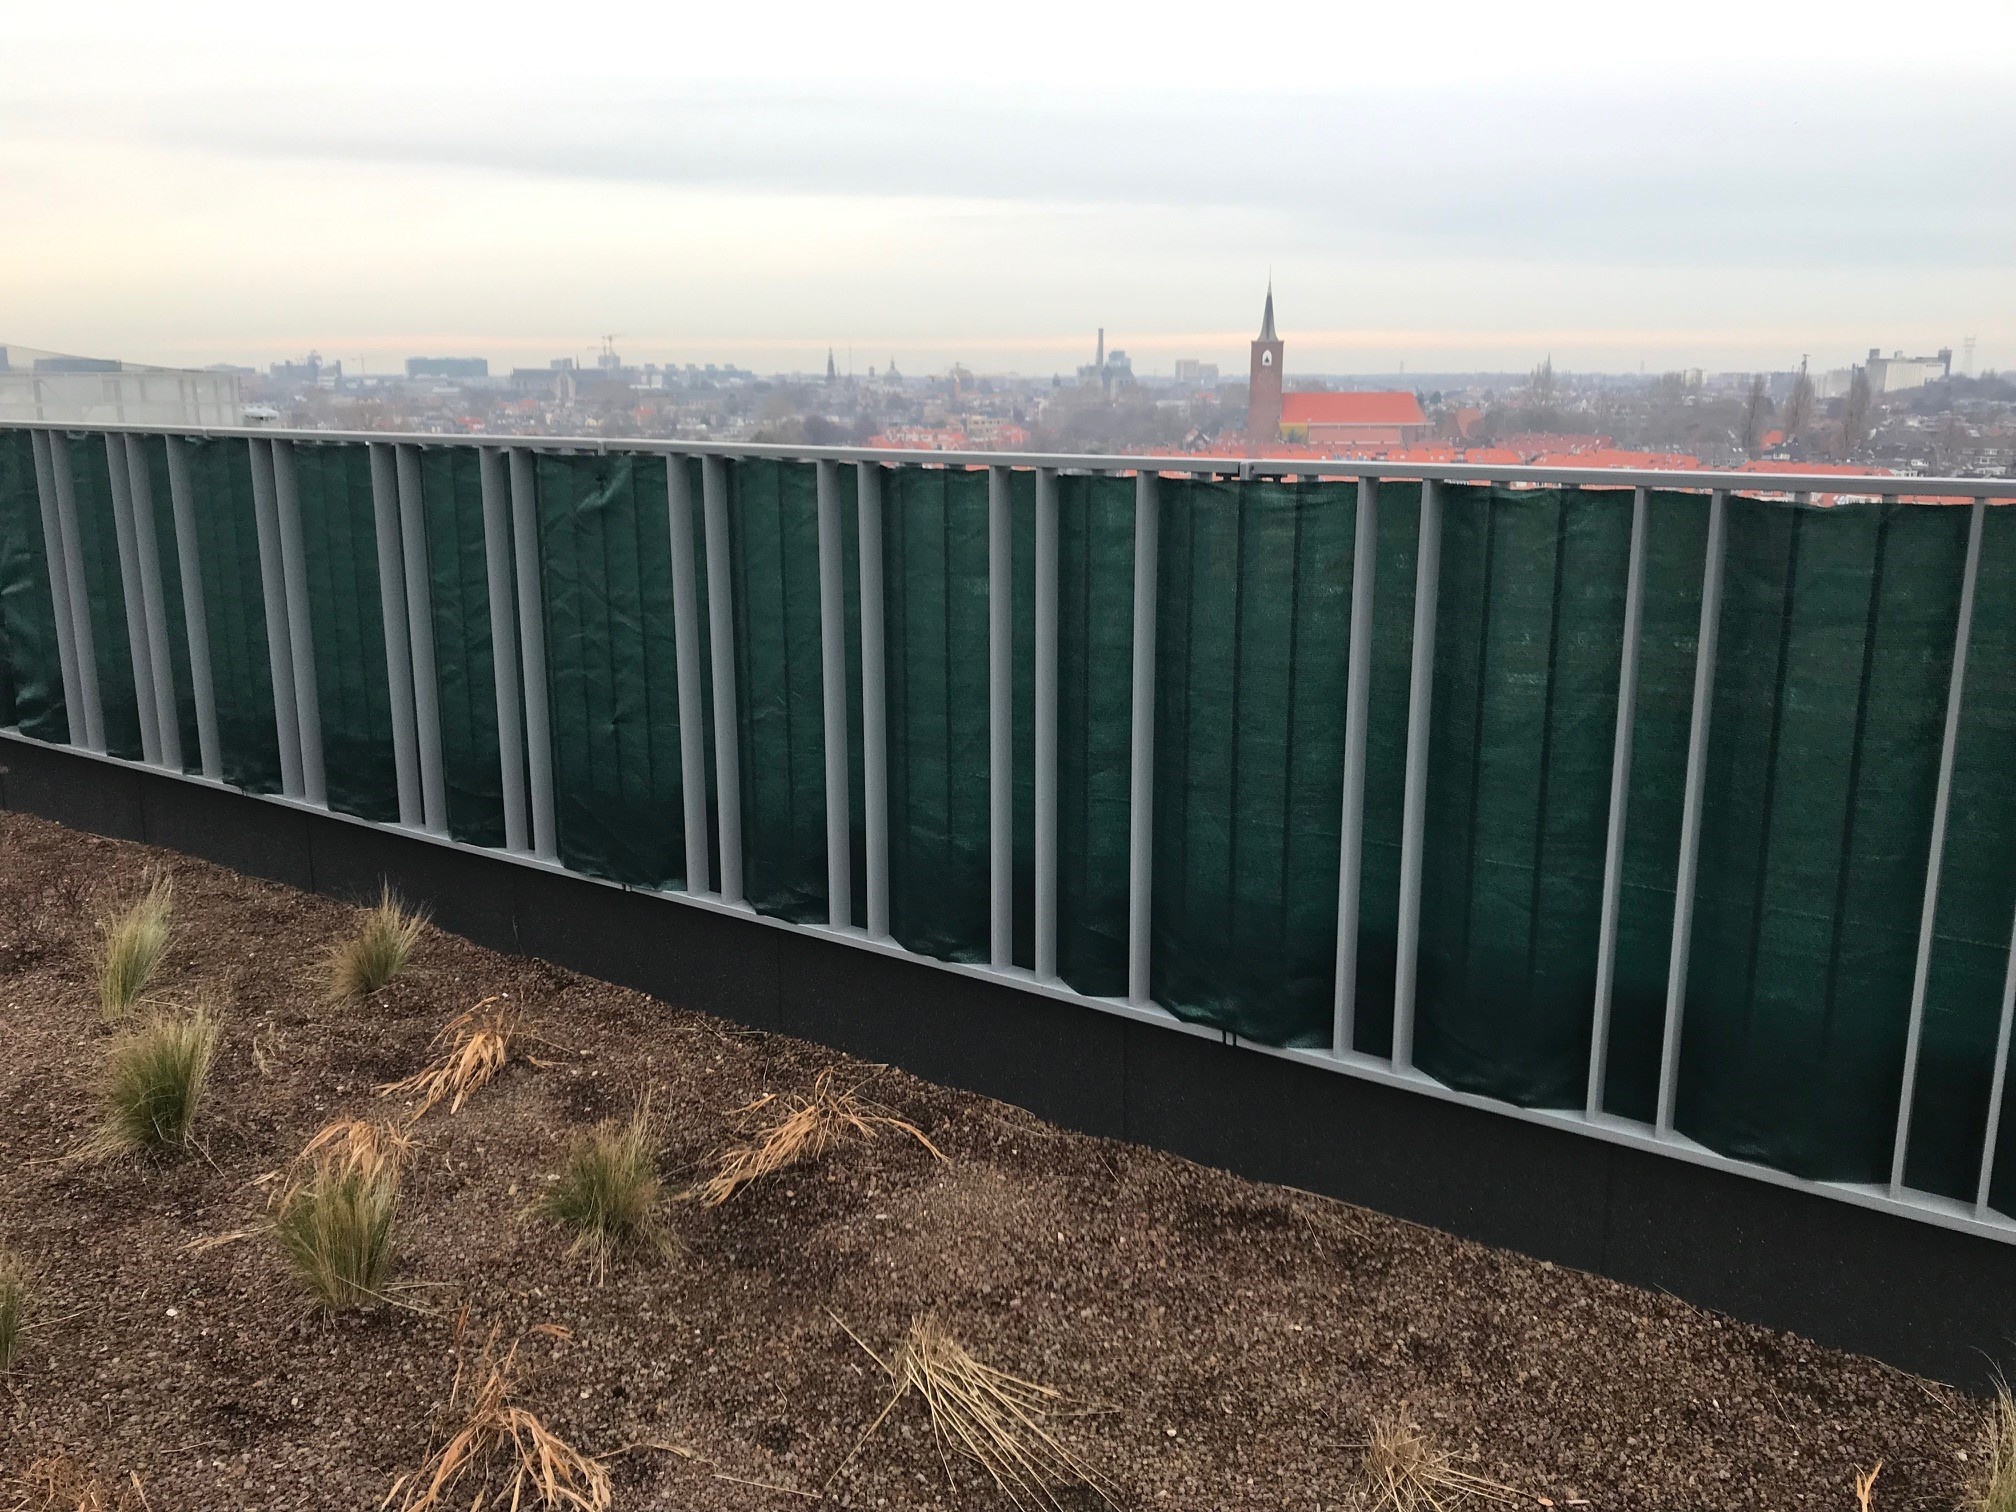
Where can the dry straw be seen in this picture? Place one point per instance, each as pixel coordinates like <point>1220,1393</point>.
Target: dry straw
<point>13,1308</point>
<point>783,1129</point>
<point>1994,1488</point>
<point>360,965</point>
<point>130,947</point>
<point>984,1414</point>
<point>472,1048</point>
<point>497,1437</point>
<point>1408,1474</point>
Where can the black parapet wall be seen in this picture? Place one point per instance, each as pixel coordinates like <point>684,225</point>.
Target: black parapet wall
<point>1919,1296</point>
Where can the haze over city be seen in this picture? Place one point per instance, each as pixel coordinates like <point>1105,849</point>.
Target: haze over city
<point>1731,189</point>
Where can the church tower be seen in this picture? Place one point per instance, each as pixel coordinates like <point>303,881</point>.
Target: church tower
<point>1263,397</point>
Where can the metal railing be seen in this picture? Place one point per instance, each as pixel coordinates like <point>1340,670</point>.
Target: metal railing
<point>521,693</point>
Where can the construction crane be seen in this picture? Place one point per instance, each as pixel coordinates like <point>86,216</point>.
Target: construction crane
<point>609,358</point>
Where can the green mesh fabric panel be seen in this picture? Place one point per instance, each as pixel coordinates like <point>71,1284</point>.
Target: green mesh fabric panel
<point>104,593</point>
<point>1529,618</point>
<point>31,672</point>
<point>1254,617</point>
<point>458,582</point>
<point>162,528</point>
<point>220,481</point>
<point>339,535</point>
<point>934,542</point>
<point>612,668</point>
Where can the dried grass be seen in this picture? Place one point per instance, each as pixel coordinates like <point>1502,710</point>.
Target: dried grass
<point>1000,1420</point>
<point>359,1144</point>
<point>360,965</point>
<point>1994,1487</point>
<point>58,1483</point>
<point>1865,1487</point>
<point>335,1226</point>
<point>498,1438</point>
<point>13,1307</point>
<point>783,1129</point>
<point>473,1047</point>
<point>130,946</point>
<point>1408,1474</point>
<point>608,1190</point>
<point>153,1084</point>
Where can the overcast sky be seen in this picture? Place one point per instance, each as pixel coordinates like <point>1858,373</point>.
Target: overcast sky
<point>1716,184</point>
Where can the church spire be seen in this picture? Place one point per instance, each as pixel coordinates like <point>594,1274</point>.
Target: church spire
<point>1267,320</point>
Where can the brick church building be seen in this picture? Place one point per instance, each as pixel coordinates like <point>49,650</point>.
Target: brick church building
<point>1319,417</point>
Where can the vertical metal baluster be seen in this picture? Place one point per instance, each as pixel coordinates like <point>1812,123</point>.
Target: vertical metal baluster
<point>1141,782</point>
<point>398,639</point>
<point>833,700</point>
<point>1620,794</point>
<point>137,650</point>
<point>279,644</point>
<point>82,635</point>
<point>1357,703</point>
<point>300,623</point>
<point>1046,723</point>
<point>153,602</point>
<point>504,644</point>
<point>1999,1082</point>
<point>420,630</point>
<point>1000,722</point>
<point>721,637</point>
<point>1414,800</point>
<point>686,649</point>
<point>55,558</point>
<point>1690,812</point>
<point>195,613</point>
<point>1956,687</point>
<point>532,644</point>
<point>874,698</point>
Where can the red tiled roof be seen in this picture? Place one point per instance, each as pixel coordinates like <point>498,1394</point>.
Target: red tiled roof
<point>1351,409</point>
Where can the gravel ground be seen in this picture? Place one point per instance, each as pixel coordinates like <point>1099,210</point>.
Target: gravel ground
<point>1238,1337</point>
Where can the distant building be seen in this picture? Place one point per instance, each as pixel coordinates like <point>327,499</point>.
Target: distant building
<point>57,389</point>
<point>1376,419</point>
<point>1897,373</point>
<point>1263,391</point>
<point>310,371</point>
<point>447,367</point>
<point>1198,374</point>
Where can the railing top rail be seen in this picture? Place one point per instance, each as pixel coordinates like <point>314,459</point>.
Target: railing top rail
<point>1693,479</point>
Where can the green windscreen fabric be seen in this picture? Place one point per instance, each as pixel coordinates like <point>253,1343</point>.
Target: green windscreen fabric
<point>31,672</point>
<point>612,665</point>
<point>339,534</point>
<point>1523,711</point>
<point>159,531</point>
<point>220,483</point>
<point>458,583</point>
<point>1251,649</point>
<point>104,592</point>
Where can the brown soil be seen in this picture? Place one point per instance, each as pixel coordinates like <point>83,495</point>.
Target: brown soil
<point>1240,1335</point>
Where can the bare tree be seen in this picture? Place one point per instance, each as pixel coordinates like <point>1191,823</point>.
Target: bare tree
<point>1756,410</point>
<point>1855,413</point>
<point>1798,413</point>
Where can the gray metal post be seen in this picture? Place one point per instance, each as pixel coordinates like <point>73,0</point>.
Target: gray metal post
<point>1046,723</point>
<point>721,643</point>
<point>1000,723</point>
<point>1620,793</point>
<point>55,558</point>
<point>279,645</point>
<point>1999,1082</point>
<point>874,698</point>
<point>1956,686</point>
<point>398,640</point>
<point>300,623</point>
<point>420,629</point>
<point>1414,799</point>
<point>504,644</point>
<point>153,603</point>
<point>686,647</point>
<point>1357,703</point>
<point>81,633</point>
<point>833,700</point>
<point>532,645</point>
<point>1141,781</point>
<point>195,614</point>
<point>137,650</point>
<point>1690,811</point>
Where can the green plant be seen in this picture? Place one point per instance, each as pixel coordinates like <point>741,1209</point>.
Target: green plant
<point>607,1190</point>
<point>13,1307</point>
<point>358,966</point>
<point>1994,1488</point>
<point>131,947</point>
<point>335,1227</point>
<point>154,1081</point>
